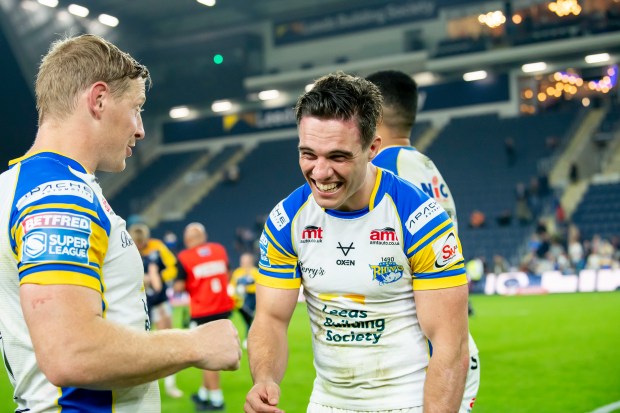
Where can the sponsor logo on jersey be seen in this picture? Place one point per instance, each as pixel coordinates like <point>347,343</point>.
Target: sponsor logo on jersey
<point>56,236</point>
<point>126,240</point>
<point>311,233</point>
<point>310,272</point>
<point>56,245</point>
<point>446,250</point>
<point>435,189</point>
<point>107,206</point>
<point>387,271</point>
<point>56,220</point>
<point>278,216</point>
<point>345,250</point>
<point>384,236</point>
<point>263,245</point>
<point>58,188</point>
<point>423,215</point>
<point>35,244</point>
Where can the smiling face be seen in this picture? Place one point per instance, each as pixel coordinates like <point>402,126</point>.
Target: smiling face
<point>123,127</point>
<point>334,164</point>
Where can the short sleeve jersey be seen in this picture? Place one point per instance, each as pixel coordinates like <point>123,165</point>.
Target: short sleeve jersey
<point>359,270</point>
<point>205,271</point>
<point>57,228</point>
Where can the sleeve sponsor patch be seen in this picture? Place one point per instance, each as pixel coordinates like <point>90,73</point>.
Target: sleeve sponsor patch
<point>446,250</point>
<point>423,215</point>
<point>264,245</point>
<point>60,188</point>
<point>55,237</point>
<point>278,216</point>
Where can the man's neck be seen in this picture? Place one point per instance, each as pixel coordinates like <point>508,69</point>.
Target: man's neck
<point>66,138</point>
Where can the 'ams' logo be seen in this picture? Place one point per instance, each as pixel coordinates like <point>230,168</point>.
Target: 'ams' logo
<point>312,234</point>
<point>446,250</point>
<point>435,189</point>
<point>384,236</point>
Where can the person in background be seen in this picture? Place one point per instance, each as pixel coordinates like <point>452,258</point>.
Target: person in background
<point>400,102</point>
<point>160,310</point>
<point>203,272</point>
<point>243,288</point>
<point>73,314</point>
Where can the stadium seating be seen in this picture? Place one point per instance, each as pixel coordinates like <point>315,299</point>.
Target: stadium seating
<point>140,191</point>
<point>471,156</point>
<point>266,175</point>
<point>599,211</point>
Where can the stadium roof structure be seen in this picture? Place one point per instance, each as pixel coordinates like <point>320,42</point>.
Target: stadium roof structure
<point>182,42</point>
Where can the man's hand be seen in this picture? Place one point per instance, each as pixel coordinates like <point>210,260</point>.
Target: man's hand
<point>220,343</point>
<point>263,398</point>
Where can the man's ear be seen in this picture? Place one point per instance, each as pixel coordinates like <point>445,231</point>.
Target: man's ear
<point>97,96</point>
<point>374,147</point>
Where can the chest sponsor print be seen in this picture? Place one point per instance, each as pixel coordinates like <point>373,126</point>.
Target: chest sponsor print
<point>383,236</point>
<point>311,233</point>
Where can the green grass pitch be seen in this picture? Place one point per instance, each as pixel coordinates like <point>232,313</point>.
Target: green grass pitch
<point>540,354</point>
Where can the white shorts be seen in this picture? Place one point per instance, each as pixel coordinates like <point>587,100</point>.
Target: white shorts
<point>160,311</point>
<point>318,408</point>
<point>472,384</point>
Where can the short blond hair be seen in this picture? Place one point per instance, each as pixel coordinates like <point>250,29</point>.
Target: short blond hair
<point>73,64</point>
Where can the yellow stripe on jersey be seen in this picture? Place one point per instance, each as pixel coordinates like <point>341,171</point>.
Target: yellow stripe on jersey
<point>439,283</point>
<point>373,195</point>
<point>67,207</point>
<point>62,277</point>
<point>283,283</point>
<point>429,235</point>
<point>356,298</point>
<point>294,221</point>
<point>98,245</point>
<point>273,240</point>
<point>31,154</point>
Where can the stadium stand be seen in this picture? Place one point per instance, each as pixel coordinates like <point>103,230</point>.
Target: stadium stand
<point>141,190</point>
<point>238,204</point>
<point>470,153</point>
<point>599,211</point>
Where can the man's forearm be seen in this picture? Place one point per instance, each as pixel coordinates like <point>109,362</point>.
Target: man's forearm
<point>115,356</point>
<point>268,351</point>
<point>445,381</point>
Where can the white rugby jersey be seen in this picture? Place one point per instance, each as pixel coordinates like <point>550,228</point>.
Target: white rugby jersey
<point>417,168</point>
<point>57,228</point>
<point>359,270</point>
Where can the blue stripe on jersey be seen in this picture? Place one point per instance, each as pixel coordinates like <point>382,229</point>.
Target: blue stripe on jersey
<point>347,214</point>
<point>388,159</point>
<point>59,267</point>
<point>274,242</point>
<point>39,171</point>
<point>74,400</point>
<point>442,274</point>
<point>287,275</point>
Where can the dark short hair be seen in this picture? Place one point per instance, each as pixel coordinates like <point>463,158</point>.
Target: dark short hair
<point>344,97</point>
<point>400,98</point>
